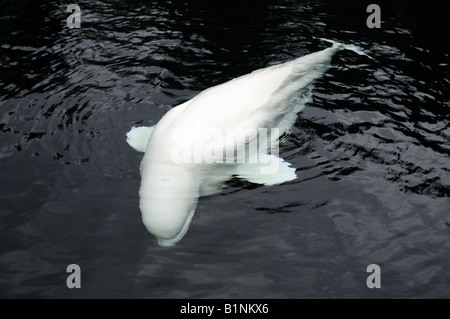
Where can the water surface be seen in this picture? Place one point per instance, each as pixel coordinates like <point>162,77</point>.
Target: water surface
<point>371,151</point>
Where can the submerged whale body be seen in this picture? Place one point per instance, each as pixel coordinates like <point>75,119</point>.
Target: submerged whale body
<point>202,143</point>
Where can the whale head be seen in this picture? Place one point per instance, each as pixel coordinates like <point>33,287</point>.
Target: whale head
<point>168,199</point>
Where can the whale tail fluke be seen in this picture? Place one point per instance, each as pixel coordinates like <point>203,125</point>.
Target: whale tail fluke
<point>342,46</point>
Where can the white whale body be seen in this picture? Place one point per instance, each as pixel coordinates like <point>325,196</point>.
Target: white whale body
<point>226,118</point>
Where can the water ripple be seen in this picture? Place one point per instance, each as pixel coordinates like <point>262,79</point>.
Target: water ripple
<point>371,152</point>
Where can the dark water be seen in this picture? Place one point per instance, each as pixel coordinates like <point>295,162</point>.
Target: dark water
<point>371,151</point>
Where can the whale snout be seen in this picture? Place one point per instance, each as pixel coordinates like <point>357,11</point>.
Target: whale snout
<point>167,206</point>
<point>168,227</point>
<point>166,242</point>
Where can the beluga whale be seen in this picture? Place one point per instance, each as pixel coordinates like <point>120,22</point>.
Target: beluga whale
<point>232,129</point>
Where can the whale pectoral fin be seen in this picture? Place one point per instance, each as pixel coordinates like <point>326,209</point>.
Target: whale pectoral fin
<point>138,137</point>
<point>266,169</point>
